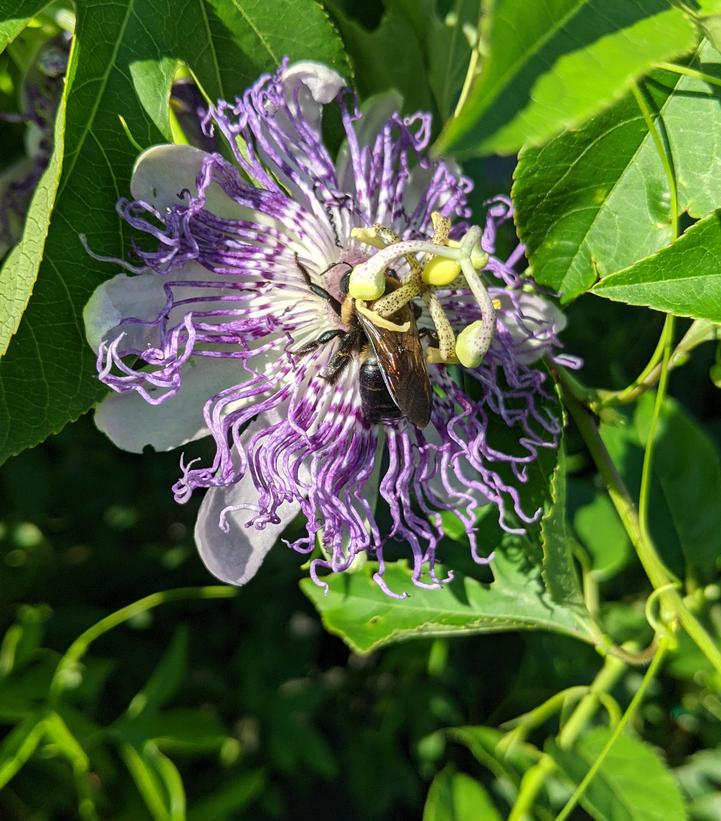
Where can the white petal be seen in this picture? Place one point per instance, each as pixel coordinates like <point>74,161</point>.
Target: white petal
<point>140,296</point>
<point>540,316</point>
<point>162,172</point>
<point>132,423</point>
<point>116,299</point>
<point>322,84</point>
<point>235,556</point>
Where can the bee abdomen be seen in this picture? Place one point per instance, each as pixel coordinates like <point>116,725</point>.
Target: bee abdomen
<point>376,402</point>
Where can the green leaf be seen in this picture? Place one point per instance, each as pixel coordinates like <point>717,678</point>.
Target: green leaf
<point>683,279</point>
<point>389,57</point>
<point>632,784</point>
<point>685,489</point>
<point>14,16</point>
<point>445,43</point>
<point>23,638</point>
<point>17,747</point>
<point>596,200</point>
<point>166,677</point>
<point>551,65</point>
<point>47,375</point>
<point>458,797</point>
<point>172,781</point>
<point>189,730</point>
<point>700,780</point>
<point>358,611</point>
<point>20,269</point>
<point>230,798</point>
<point>600,531</point>
<point>148,781</point>
<point>58,733</point>
<point>559,570</point>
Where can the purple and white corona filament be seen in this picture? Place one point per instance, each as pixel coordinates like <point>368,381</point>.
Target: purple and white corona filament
<point>212,334</point>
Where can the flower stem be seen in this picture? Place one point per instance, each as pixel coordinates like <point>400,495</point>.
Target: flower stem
<point>534,778</point>
<point>649,676</point>
<point>81,644</point>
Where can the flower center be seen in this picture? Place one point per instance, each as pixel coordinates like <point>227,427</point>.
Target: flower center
<point>443,263</point>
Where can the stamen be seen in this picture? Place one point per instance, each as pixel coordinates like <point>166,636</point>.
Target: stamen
<point>447,263</point>
<point>391,302</point>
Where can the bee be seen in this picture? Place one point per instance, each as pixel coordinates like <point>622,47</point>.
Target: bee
<point>393,377</point>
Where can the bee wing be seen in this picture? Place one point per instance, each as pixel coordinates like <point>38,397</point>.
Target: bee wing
<point>402,364</point>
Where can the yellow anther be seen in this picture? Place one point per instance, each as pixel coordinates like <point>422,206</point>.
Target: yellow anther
<point>470,345</point>
<point>441,271</point>
<point>381,321</point>
<point>366,284</point>
<point>497,304</point>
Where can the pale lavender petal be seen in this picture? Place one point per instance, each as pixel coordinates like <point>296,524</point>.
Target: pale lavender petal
<point>132,423</point>
<point>231,540</point>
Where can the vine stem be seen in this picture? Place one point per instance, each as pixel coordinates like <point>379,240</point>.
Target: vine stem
<point>701,330</point>
<point>534,778</point>
<point>645,492</point>
<point>81,644</point>
<point>657,573</point>
<point>663,645</point>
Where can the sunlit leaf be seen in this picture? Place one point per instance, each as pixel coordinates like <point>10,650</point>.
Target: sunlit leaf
<point>356,609</point>
<point>20,268</point>
<point>593,201</point>
<point>684,278</point>
<point>14,16</point>
<point>551,65</point>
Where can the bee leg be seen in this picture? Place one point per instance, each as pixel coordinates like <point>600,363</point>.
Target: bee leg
<point>427,333</point>
<point>317,289</point>
<point>326,336</point>
<point>352,340</point>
